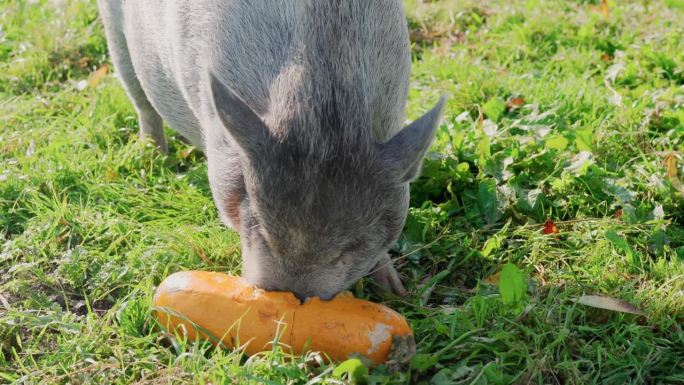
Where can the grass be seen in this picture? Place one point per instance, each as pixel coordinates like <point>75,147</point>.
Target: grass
<point>562,111</point>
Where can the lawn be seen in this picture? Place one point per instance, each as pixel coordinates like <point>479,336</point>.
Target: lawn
<point>557,173</point>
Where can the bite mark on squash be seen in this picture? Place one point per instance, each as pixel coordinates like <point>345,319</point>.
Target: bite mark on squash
<point>268,315</point>
<point>377,336</point>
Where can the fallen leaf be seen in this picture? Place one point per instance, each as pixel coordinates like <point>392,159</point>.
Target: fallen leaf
<point>604,8</point>
<point>580,163</point>
<point>84,61</point>
<point>97,75</point>
<point>613,71</point>
<point>492,279</point>
<point>658,212</point>
<point>671,166</point>
<point>550,227</point>
<point>606,58</point>
<point>615,98</point>
<point>609,303</point>
<point>514,103</point>
<point>186,153</point>
<point>673,173</point>
<point>4,302</point>
<point>111,174</point>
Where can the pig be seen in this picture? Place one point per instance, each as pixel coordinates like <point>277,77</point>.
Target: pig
<point>299,108</point>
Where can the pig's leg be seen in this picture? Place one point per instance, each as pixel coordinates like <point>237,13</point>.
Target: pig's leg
<point>151,124</point>
<point>387,277</point>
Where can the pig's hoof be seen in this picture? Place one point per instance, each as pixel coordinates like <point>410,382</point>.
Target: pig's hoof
<point>388,279</point>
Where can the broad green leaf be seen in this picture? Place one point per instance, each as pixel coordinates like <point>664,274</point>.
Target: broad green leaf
<point>657,242</point>
<point>443,377</point>
<point>621,244</point>
<point>423,361</point>
<point>556,142</point>
<point>494,108</point>
<point>512,286</point>
<point>584,137</point>
<point>492,244</point>
<point>463,168</point>
<point>477,18</point>
<point>355,370</point>
<point>457,140</point>
<point>8,377</point>
<point>587,31</point>
<point>495,241</point>
<point>563,183</point>
<point>481,309</point>
<point>486,201</point>
<point>483,150</point>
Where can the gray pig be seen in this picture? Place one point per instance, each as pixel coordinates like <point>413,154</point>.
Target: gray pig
<point>298,106</point>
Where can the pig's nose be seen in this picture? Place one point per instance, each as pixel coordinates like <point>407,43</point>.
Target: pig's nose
<point>303,296</point>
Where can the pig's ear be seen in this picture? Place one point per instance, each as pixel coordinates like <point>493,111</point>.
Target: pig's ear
<point>243,124</point>
<point>403,154</point>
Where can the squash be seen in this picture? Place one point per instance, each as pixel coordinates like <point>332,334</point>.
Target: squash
<point>234,314</point>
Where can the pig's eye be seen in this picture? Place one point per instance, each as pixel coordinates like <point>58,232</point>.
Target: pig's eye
<point>354,246</point>
<point>343,260</point>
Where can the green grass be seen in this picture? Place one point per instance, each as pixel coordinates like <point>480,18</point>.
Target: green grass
<point>557,111</point>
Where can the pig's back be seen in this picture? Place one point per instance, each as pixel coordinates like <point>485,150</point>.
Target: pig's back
<point>259,48</point>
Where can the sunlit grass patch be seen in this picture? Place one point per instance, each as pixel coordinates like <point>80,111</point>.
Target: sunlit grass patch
<point>560,153</point>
